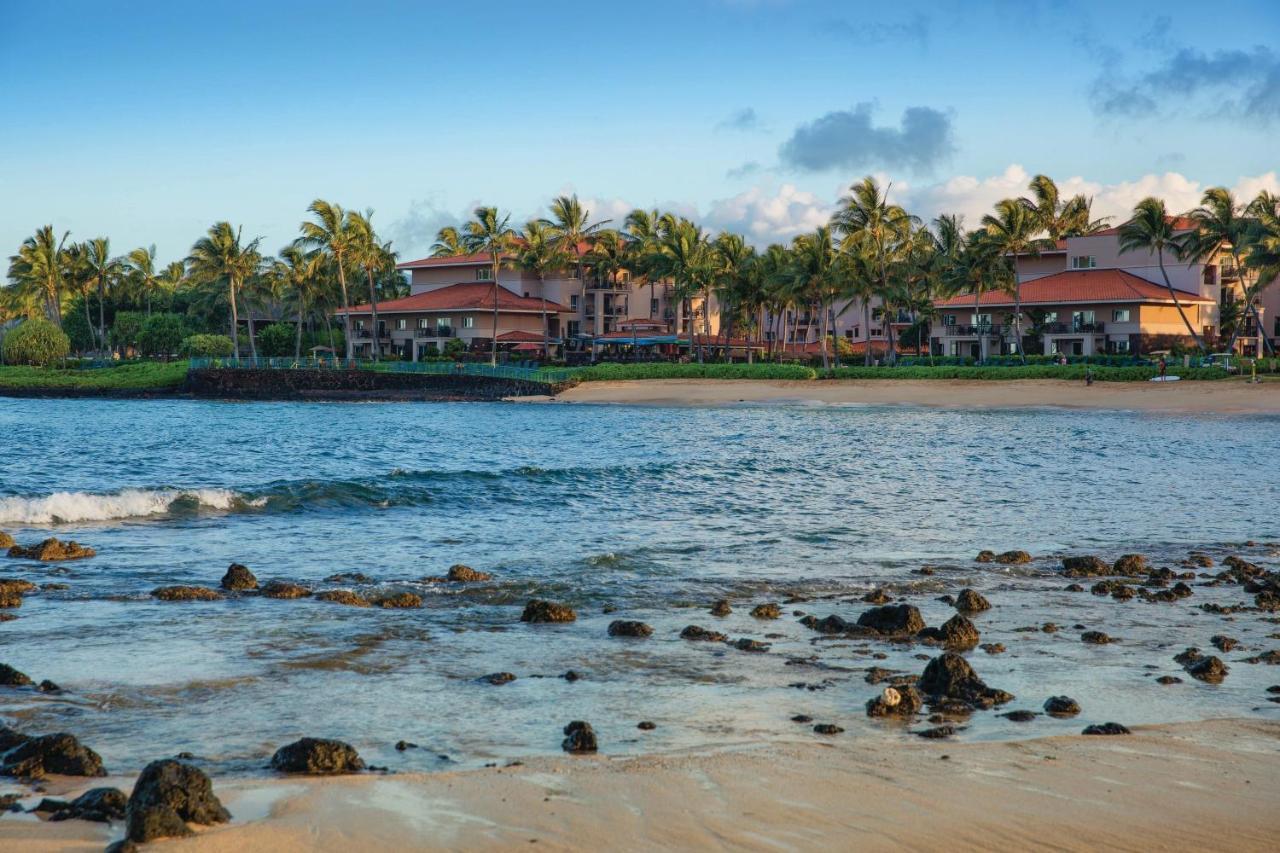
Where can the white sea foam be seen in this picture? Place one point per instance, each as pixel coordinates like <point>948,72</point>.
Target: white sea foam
<point>62,507</point>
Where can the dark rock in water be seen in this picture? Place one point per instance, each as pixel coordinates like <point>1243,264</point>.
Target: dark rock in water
<point>950,675</point>
<point>571,676</point>
<point>693,632</point>
<point>239,577</point>
<point>399,601</point>
<point>6,541</point>
<point>1268,601</point>
<point>1188,656</point>
<point>499,678</point>
<point>9,738</point>
<point>53,551</point>
<point>1020,716</point>
<point>1181,590</point>
<point>748,645</point>
<point>629,628</point>
<point>1106,729</point>
<point>57,754</point>
<point>1223,643</point>
<point>317,757</point>
<point>766,611</point>
<point>185,593</point>
<point>167,796</point>
<point>646,725</point>
<point>343,596</point>
<point>580,738</point>
<point>99,804</point>
<point>1130,564</point>
<point>876,596</point>
<point>459,573</point>
<point>1271,658</point>
<point>185,756</point>
<point>1168,679</point>
<point>901,701</point>
<point>1208,669</point>
<point>1050,628</point>
<point>827,729</point>
<point>1123,593</point>
<point>48,805</point>
<point>958,633</point>
<point>937,733</point>
<point>1061,706</point>
<point>402,745</point>
<point>1097,638</point>
<point>1013,558</point>
<point>1085,567</point>
<point>54,587</point>
<point>993,648</point>
<point>985,556</point>
<point>349,577</point>
<point>877,674</point>
<point>828,625</point>
<point>802,718</point>
<point>284,589</point>
<point>925,570</point>
<point>1196,558</point>
<point>1073,587</point>
<point>893,620</point>
<point>538,610</point>
<point>721,608</point>
<point>48,686</point>
<point>10,677</point>
<point>971,601</point>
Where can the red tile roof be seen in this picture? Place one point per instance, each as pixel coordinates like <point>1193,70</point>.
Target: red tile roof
<point>1179,223</point>
<point>471,260</point>
<point>467,296</point>
<point>521,336</point>
<point>1079,286</point>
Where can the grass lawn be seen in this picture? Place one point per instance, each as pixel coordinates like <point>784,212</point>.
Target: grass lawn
<point>139,376</point>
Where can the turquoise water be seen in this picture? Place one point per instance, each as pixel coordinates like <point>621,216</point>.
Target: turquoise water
<point>651,512</point>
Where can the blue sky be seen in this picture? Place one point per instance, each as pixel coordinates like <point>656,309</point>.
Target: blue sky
<point>145,122</point>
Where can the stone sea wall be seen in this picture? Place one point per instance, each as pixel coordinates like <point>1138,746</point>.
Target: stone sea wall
<point>354,385</point>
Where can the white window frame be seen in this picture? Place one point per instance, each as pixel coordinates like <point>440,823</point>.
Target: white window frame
<point>402,324</point>
<point>1084,262</point>
<point>484,274</point>
<point>468,322</point>
<point>1116,312</point>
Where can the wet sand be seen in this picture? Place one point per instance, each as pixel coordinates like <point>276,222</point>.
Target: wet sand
<point>1224,397</point>
<point>1208,786</point>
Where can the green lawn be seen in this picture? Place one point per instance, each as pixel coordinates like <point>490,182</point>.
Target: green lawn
<point>138,376</point>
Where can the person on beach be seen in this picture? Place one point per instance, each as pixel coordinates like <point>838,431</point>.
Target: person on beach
<point>1164,368</point>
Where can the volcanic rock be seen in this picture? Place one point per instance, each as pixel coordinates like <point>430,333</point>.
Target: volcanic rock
<point>1020,716</point>
<point>167,796</point>
<point>1061,706</point>
<point>284,589</point>
<point>10,677</point>
<point>985,556</point>
<point>1130,564</point>
<point>499,678</point>
<point>1209,669</point>
<point>580,738</point>
<point>343,596</point>
<point>1223,643</point>
<point>1097,638</point>
<point>693,632</point>
<point>893,620</point>
<point>1012,558</point>
<point>538,610</point>
<point>185,593</point>
<point>1168,679</point>
<point>317,757</point>
<point>53,550</point>
<point>238,578</point>
<point>48,686</point>
<point>971,601</point>
<point>721,608</point>
<point>459,573</point>
<point>6,541</point>
<point>748,645</point>
<point>1106,729</point>
<point>60,754</point>
<point>827,729</point>
<point>876,596</point>
<point>629,628</point>
<point>766,611</point>
<point>399,601</point>
<point>950,676</point>
<point>98,804</point>
<point>902,701</point>
<point>646,725</point>
<point>1085,567</point>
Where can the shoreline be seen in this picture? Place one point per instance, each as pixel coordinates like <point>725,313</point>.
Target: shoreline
<point>1189,397</point>
<point>1204,785</point>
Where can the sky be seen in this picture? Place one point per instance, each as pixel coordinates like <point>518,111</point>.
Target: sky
<point>147,122</point>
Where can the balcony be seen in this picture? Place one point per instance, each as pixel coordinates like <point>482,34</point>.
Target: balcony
<point>1230,273</point>
<point>984,330</point>
<point>437,332</point>
<point>1073,328</point>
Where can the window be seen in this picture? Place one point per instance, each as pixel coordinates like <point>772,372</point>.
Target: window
<point>360,325</point>
<point>573,301</point>
<point>1121,346</point>
<point>401,324</point>
<point>875,333</point>
<point>484,274</point>
<point>848,334</point>
<point>1083,262</point>
<point>444,321</point>
<point>573,328</point>
<point>948,319</point>
<point>1051,316</point>
<point>468,322</point>
<point>1120,315</point>
<point>424,323</point>
<point>978,320</point>
<point>1082,318</point>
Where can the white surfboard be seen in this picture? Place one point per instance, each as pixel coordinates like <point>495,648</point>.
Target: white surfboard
<point>1165,378</point>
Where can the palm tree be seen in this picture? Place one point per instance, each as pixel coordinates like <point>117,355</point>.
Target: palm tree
<point>221,256</point>
<point>1151,230</point>
<point>37,268</point>
<point>573,228</point>
<point>979,268</point>
<point>686,260</point>
<point>172,277</point>
<point>105,271</point>
<point>1222,223</point>
<point>295,271</point>
<point>331,231</point>
<point>814,267</point>
<point>734,282</point>
<point>366,252</point>
<point>77,277</point>
<point>449,243</point>
<point>1013,228</point>
<point>143,262</point>
<point>1059,218</point>
<point>488,233</point>
<point>540,254</point>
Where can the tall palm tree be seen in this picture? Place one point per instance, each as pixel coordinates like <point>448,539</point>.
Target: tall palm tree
<point>37,268</point>
<point>1221,223</point>
<point>221,256</point>
<point>814,267</point>
<point>172,277</point>
<point>734,283</point>
<point>77,277</point>
<point>979,268</point>
<point>1012,229</point>
<point>1058,217</point>
<point>366,253</point>
<point>489,233</point>
<point>540,254</point>
<point>331,231</point>
<point>296,273</point>
<point>143,262</point>
<point>573,228</point>
<point>106,270</point>
<point>686,259</point>
<point>643,230</point>
<point>449,243</point>
<point>1151,230</point>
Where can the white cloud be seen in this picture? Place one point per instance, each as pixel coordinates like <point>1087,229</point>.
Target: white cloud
<point>766,216</point>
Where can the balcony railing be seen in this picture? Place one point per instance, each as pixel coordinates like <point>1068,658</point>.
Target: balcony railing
<point>970,331</point>
<point>1073,328</point>
<point>436,332</point>
<point>1230,273</point>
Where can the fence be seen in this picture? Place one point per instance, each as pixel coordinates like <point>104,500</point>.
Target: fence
<point>546,375</point>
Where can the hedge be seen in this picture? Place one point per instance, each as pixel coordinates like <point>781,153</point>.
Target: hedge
<point>206,346</point>
<point>35,341</point>
<point>665,370</point>
<point>133,376</point>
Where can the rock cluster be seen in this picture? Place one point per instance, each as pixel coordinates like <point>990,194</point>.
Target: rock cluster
<point>284,589</point>
<point>538,610</point>
<point>579,739</point>
<point>458,573</point>
<point>971,601</point>
<point>53,550</point>
<point>949,676</point>
<point>238,578</point>
<point>59,754</point>
<point>766,611</point>
<point>343,596</point>
<point>185,593</point>
<point>693,632</point>
<point>317,757</point>
<point>167,796</point>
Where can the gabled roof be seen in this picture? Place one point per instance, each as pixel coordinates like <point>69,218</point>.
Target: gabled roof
<point>520,336</point>
<point>1079,286</point>
<point>467,296</point>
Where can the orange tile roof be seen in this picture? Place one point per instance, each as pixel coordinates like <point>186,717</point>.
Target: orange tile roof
<point>521,336</point>
<point>467,296</point>
<point>471,260</point>
<point>1179,223</point>
<point>1079,286</point>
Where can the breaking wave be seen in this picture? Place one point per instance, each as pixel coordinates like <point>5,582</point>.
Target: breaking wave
<point>67,507</point>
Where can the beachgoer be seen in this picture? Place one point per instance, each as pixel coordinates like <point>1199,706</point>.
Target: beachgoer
<point>1164,368</point>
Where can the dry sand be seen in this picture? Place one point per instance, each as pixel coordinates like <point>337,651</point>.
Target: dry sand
<point>1201,786</point>
<point>1232,396</point>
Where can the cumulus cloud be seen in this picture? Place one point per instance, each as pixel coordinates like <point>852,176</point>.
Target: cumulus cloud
<point>743,120</point>
<point>1244,83</point>
<point>769,216</point>
<point>847,139</point>
<point>413,233</point>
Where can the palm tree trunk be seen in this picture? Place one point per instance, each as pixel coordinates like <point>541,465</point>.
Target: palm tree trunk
<point>235,320</point>
<point>977,299</point>
<point>373,309</point>
<point>493,349</point>
<point>826,359</point>
<point>1017,311</point>
<point>866,331</point>
<point>297,341</point>
<point>102,323</point>
<point>1176,304</point>
<point>88,318</point>
<point>346,308</point>
<point>546,327</point>
<point>248,319</point>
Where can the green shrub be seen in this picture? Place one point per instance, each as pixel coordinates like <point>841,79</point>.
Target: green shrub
<point>143,375</point>
<point>206,346</point>
<point>161,335</point>
<point>126,328</point>
<point>664,370</point>
<point>35,341</point>
<point>82,335</point>
<point>277,339</point>
<point>454,347</point>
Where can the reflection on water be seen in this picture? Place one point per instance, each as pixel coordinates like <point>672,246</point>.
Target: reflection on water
<point>648,514</point>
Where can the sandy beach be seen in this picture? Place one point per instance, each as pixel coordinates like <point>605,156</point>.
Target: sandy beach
<point>1204,786</point>
<point>1228,397</point>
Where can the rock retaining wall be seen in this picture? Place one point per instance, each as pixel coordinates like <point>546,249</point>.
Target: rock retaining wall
<point>355,385</point>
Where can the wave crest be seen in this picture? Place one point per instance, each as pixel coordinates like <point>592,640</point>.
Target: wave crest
<point>67,507</point>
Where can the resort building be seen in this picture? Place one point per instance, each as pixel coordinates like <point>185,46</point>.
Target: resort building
<point>1084,296</point>
<point>453,296</point>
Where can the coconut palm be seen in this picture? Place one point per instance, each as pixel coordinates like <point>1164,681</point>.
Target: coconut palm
<point>1221,224</point>
<point>449,243</point>
<point>222,256</point>
<point>858,280</point>
<point>643,232</point>
<point>686,259</point>
<point>331,231</point>
<point>733,283</point>
<point>143,263</point>
<point>37,270</point>
<point>488,233</point>
<point>813,258</point>
<point>106,271</point>
<point>366,253</point>
<point>296,270</point>
<point>1151,230</point>
<point>540,254</point>
<point>1012,228</point>
<point>574,231</point>
<point>1059,217</point>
